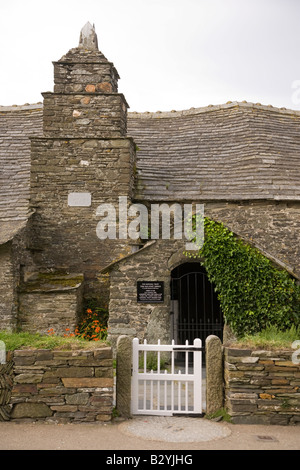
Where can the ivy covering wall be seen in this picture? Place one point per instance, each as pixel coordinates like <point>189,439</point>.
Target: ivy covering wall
<point>253,293</point>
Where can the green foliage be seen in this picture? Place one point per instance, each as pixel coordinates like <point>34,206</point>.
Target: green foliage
<point>91,327</point>
<point>252,292</point>
<point>101,312</point>
<point>271,338</point>
<point>25,340</point>
<point>151,362</point>
<point>219,415</point>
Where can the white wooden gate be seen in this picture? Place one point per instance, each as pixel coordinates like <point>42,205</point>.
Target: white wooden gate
<point>169,390</point>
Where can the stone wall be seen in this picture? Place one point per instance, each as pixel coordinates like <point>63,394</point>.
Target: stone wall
<point>273,227</point>
<point>13,258</point>
<point>262,387</point>
<point>50,302</point>
<point>7,288</point>
<point>62,386</point>
<point>6,384</point>
<point>149,321</point>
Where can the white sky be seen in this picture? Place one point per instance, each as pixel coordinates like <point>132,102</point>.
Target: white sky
<point>170,54</point>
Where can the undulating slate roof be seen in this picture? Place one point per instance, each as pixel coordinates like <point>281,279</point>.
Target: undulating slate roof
<point>17,123</point>
<point>234,151</point>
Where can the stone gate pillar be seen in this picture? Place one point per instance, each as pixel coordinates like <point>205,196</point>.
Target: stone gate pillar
<point>214,374</point>
<point>123,372</point>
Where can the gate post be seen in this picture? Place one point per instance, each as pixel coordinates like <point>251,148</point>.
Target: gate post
<point>123,378</point>
<point>214,374</point>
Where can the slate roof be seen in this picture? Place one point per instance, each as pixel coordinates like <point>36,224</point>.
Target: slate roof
<point>234,151</point>
<point>17,123</point>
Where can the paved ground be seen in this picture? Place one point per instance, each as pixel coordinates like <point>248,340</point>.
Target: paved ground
<point>148,433</point>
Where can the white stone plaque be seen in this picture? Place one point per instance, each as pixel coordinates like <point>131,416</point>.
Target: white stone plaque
<point>79,199</point>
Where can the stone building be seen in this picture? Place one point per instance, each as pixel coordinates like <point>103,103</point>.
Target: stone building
<point>66,160</point>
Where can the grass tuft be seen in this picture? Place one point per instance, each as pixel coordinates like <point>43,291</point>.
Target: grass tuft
<point>270,338</point>
<point>25,340</point>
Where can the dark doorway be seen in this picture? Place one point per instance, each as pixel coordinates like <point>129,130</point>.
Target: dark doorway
<point>195,308</point>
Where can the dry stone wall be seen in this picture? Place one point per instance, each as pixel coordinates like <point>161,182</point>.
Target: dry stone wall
<point>62,386</point>
<point>262,387</point>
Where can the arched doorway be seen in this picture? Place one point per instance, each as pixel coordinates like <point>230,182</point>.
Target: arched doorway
<point>195,308</point>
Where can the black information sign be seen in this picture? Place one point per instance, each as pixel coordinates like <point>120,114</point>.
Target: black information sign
<point>150,292</point>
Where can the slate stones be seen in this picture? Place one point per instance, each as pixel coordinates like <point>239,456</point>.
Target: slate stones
<point>88,37</point>
<point>61,386</point>
<point>262,387</point>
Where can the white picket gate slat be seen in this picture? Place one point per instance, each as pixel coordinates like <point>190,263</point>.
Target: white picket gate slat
<point>167,392</point>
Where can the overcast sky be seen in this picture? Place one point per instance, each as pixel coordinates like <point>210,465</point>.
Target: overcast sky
<point>170,54</point>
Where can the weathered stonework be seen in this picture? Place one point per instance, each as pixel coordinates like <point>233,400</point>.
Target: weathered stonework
<point>13,258</point>
<point>62,386</point>
<point>143,320</point>
<point>58,163</point>
<point>262,387</point>
<point>273,227</point>
<point>84,70</point>
<point>214,374</point>
<point>85,115</point>
<point>83,150</point>
<point>6,384</point>
<point>123,375</point>
<point>50,302</point>
<point>6,287</point>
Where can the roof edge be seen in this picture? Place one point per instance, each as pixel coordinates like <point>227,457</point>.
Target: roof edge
<point>11,228</point>
<point>114,263</point>
<point>211,107</point>
<point>22,107</point>
<point>174,113</point>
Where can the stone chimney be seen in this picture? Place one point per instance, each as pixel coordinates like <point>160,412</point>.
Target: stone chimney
<point>83,160</point>
<point>100,110</point>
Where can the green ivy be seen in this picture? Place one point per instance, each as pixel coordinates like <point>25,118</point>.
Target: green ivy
<point>252,292</point>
